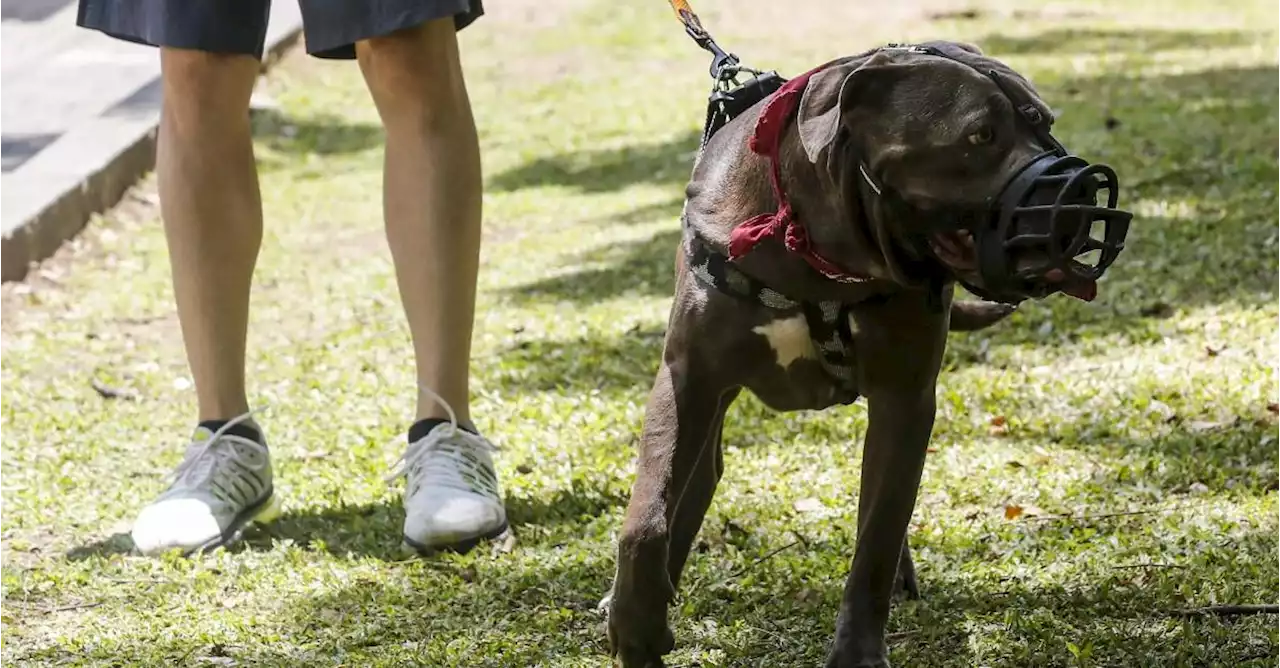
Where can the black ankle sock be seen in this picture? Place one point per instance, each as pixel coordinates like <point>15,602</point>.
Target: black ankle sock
<point>423,427</point>
<point>242,430</point>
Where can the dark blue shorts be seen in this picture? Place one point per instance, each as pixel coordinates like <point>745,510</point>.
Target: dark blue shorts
<point>331,27</point>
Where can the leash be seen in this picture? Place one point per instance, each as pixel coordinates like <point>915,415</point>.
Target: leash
<point>730,94</point>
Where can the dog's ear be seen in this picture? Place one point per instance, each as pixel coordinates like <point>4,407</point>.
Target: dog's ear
<point>832,92</point>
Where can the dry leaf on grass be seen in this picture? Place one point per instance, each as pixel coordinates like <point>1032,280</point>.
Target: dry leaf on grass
<point>1013,511</point>
<point>810,506</point>
<point>1205,425</point>
<point>999,426</point>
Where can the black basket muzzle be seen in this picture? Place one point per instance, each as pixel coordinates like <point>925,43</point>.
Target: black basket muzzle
<point>1054,225</point>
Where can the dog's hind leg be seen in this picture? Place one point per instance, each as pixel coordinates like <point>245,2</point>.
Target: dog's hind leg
<point>678,464</point>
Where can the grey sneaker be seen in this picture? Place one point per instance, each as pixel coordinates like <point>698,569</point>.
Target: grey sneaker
<point>222,485</point>
<point>451,500</point>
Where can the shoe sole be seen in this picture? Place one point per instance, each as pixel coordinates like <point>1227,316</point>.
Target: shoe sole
<point>261,512</point>
<point>460,547</point>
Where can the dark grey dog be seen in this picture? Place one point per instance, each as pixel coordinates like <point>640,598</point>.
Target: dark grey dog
<point>825,229</point>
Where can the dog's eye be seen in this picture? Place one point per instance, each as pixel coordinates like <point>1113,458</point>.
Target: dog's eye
<point>982,136</point>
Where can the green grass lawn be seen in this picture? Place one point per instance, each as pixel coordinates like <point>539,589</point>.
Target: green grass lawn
<point>1155,400</point>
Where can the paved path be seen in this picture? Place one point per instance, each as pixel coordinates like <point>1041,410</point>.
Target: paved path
<point>78,117</point>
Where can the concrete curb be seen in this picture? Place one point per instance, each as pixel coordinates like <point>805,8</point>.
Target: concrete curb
<point>89,168</point>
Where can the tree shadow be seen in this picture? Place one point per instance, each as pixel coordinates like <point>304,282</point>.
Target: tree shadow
<point>597,363</point>
<point>603,170</point>
<point>120,543</point>
<point>566,506</point>
<point>322,134</point>
<point>1237,455</point>
<point>373,530</point>
<point>1095,40</point>
<point>642,267</point>
<point>498,615</point>
<point>17,149</point>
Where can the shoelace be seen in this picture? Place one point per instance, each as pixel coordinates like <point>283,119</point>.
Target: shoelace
<point>445,469</point>
<point>196,464</point>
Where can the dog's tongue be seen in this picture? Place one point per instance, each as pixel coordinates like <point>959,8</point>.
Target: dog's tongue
<point>1082,290</point>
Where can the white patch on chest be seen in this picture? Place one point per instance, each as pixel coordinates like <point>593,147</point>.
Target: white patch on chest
<point>789,338</point>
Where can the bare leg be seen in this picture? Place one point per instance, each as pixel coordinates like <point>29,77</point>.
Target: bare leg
<point>213,223</point>
<point>212,214</point>
<point>431,198</point>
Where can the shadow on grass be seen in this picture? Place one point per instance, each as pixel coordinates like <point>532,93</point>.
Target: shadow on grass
<point>322,134</point>
<point>120,543</point>
<point>604,170</point>
<point>1094,40</point>
<point>519,614</point>
<point>644,267</point>
<point>375,529</point>
<point>1237,456</point>
<point>623,363</point>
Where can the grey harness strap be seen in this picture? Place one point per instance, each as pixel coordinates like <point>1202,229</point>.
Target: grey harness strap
<point>828,321</point>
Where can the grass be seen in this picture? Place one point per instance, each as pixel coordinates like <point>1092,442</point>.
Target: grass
<point>1154,398</point>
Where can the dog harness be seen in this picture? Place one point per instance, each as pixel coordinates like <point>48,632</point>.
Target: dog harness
<point>828,321</point>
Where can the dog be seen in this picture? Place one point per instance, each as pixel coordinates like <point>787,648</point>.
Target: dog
<point>825,231</point>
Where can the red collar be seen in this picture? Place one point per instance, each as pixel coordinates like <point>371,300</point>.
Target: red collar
<point>766,141</point>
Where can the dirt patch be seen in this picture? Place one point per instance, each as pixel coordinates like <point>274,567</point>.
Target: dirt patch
<point>139,206</point>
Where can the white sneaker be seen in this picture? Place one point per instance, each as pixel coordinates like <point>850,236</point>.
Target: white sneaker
<point>222,485</point>
<point>451,499</point>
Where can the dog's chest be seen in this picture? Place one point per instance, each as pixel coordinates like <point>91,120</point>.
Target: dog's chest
<point>790,370</point>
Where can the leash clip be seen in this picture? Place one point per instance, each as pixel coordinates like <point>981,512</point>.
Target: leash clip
<point>721,62</point>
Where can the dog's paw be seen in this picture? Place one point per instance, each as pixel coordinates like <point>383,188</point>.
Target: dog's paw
<point>633,652</point>
<point>847,659</point>
<point>905,585</point>
<point>637,640</point>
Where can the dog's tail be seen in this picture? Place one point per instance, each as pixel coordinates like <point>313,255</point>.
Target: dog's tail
<point>967,316</point>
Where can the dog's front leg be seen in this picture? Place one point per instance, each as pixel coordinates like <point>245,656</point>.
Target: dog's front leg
<point>676,473</point>
<point>900,353</point>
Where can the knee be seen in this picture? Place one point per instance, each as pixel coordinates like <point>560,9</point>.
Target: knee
<point>415,77</point>
<point>207,84</point>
